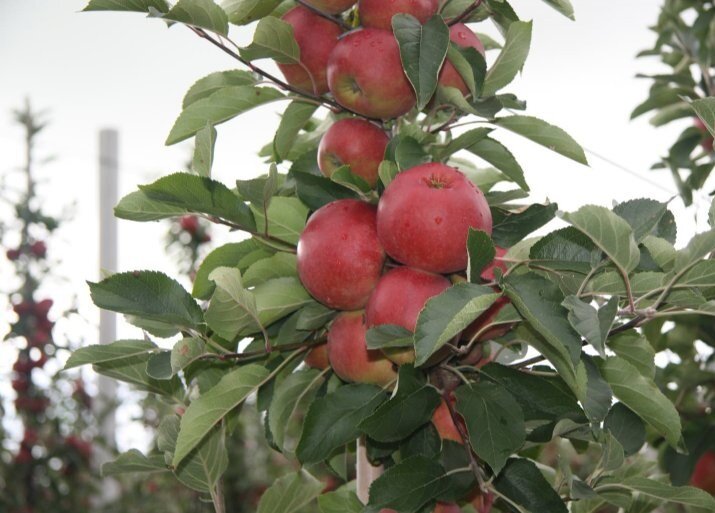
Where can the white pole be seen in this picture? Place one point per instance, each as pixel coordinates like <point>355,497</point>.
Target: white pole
<point>366,472</point>
<point>107,388</point>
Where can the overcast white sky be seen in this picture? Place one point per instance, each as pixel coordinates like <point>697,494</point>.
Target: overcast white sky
<point>95,70</point>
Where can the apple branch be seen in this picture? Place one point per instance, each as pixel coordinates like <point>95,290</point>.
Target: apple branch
<point>263,352</point>
<point>469,10</point>
<point>335,19</point>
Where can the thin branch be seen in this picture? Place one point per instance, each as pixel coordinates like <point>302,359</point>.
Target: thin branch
<point>469,10</point>
<point>335,19</point>
<point>263,352</point>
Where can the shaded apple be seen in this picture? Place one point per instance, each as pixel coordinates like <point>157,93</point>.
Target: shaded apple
<point>442,420</point>
<point>356,143</point>
<point>488,272</point>
<point>340,258</point>
<point>379,13</point>
<point>365,75</point>
<point>424,217</point>
<point>443,507</point>
<point>348,353</point>
<point>708,141</point>
<point>398,298</point>
<point>484,320</point>
<point>704,473</point>
<point>189,224</point>
<point>332,6</point>
<point>316,38</point>
<point>460,35</point>
<point>317,357</point>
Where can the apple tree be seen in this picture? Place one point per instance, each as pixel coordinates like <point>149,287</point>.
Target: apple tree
<point>384,285</point>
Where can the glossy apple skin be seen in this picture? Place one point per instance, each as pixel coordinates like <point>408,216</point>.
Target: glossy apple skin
<point>488,271</point>
<point>316,38</point>
<point>365,75</point>
<point>317,358</point>
<point>354,142</point>
<point>442,420</point>
<point>348,353</point>
<point>398,298</point>
<point>708,141</point>
<point>332,6</point>
<point>460,35</point>
<point>340,258</point>
<point>424,217</point>
<point>379,13</point>
<point>704,473</point>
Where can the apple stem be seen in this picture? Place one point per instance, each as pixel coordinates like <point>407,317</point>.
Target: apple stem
<point>469,10</point>
<point>335,19</point>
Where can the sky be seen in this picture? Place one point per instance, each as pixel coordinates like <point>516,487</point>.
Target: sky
<point>115,70</point>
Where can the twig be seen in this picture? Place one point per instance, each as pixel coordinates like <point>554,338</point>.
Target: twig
<point>267,350</point>
<point>335,19</point>
<point>469,10</point>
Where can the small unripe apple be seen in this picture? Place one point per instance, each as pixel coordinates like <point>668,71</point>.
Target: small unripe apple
<point>704,473</point>
<point>365,75</point>
<point>460,35</point>
<point>340,258</point>
<point>356,143</point>
<point>708,141</point>
<point>348,353</point>
<point>424,217</point>
<point>38,249</point>
<point>379,13</point>
<point>488,272</point>
<point>189,224</point>
<point>442,420</point>
<point>398,299</point>
<point>332,6</point>
<point>316,38</point>
<point>317,357</point>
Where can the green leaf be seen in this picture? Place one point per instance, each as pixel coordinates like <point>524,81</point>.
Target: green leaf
<point>347,179</point>
<point>662,251</point>
<point>127,5</point>
<point>105,353</point>
<point>627,427</point>
<point>199,13</point>
<point>423,442</point>
<point>545,134</point>
<point>481,253</point>
<point>609,232</point>
<point>423,49</point>
<point>387,171</point>
<point>705,109</point>
<point>341,500</point>
<point>286,219</point>
<point>635,349</point>
<point>290,399</point>
<point>233,308</point>
<point>332,420</point>
<point>500,157</point>
<point>136,206</point>
<point>280,265</point>
<point>273,39</point>
<point>389,335</point>
<point>185,352</point>
<point>642,396</point>
<point>700,246</point>
<point>645,217</point>
<point>202,195</point>
<point>236,254</point>
<point>562,6</point>
<point>294,118</point>
<point>204,413</point>
<point>243,12</point>
<point>463,141</point>
<point>159,365</point>
<point>134,462</point>
<point>511,59</point>
<point>290,493</point>
<point>686,495</point>
<point>524,485</point>
<point>317,191</point>
<point>204,151</point>
<point>598,394</point>
<point>447,314</point>
<point>612,456</point>
<point>148,295</point>
<point>569,249</point>
<point>470,65</point>
<point>206,86</point>
<point>494,421</point>
<point>221,106</point>
<point>657,99</point>
<point>593,325</point>
<point>411,407</point>
<point>408,485</point>
<point>509,228</point>
<point>410,153</point>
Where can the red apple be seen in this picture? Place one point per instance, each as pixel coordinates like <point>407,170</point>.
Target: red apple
<point>317,358</point>
<point>708,141</point>
<point>443,507</point>
<point>442,420</point>
<point>365,75</point>
<point>379,13</point>
<point>460,35</point>
<point>488,271</point>
<point>332,6</point>
<point>189,224</point>
<point>38,249</point>
<point>42,308</point>
<point>704,473</point>
<point>348,353</point>
<point>485,320</point>
<point>340,258</point>
<point>398,298</point>
<point>316,38</point>
<point>12,254</point>
<point>23,308</point>
<point>354,142</point>
<point>425,214</point>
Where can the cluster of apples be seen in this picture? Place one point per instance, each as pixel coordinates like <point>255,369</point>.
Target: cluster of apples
<point>362,69</point>
<point>37,249</point>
